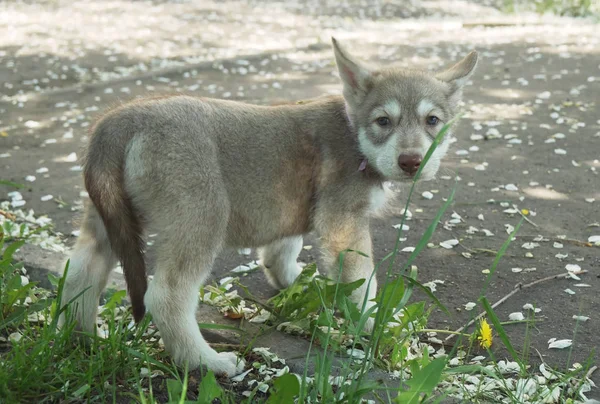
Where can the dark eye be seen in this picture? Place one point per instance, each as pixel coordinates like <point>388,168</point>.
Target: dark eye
<point>383,121</point>
<point>432,120</point>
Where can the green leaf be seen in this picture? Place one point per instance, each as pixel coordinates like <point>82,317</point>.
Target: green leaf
<point>53,279</point>
<point>423,381</point>
<point>209,389</point>
<point>208,326</point>
<point>391,294</point>
<point>116,298</point>
<point>80,392</point>
<point>10,250</point>
<point>348,308</point>
<point>285,389</point>
<point>174,390</point>
<point>16,315</point>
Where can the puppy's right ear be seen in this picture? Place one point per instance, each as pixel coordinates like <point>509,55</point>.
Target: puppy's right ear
<point>356,77</point>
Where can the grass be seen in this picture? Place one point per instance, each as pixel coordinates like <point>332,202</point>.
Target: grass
<point>41,363</point>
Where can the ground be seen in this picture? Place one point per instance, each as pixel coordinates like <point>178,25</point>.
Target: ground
<point>530,136</point>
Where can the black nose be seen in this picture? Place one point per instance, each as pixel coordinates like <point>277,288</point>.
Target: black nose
<point>409,163</point>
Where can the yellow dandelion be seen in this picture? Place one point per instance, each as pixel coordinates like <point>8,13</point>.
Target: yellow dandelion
<point>485,334</point>
<point>525,211</point>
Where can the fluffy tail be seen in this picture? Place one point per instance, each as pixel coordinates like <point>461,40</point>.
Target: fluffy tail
<point>104,180</point>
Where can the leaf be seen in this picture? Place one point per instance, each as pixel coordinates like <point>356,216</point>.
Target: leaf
<point>21,312</point>
<point>209,389</point>
<point>423,381</point>
<point>208,326</point>
<point>53,279</point>
<point>116,298</point>
<point>285,389</point>
<point>348,308</point>
<point>174,390</point>
<point>10,250</point>
<point>80,392</point>
<point>390,294</point>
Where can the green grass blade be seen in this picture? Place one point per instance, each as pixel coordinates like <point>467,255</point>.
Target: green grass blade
<point>428,292</point>
<point>500,330</point>
<point>207,326</point>
<point>500,254</point>
<point>11,184</point>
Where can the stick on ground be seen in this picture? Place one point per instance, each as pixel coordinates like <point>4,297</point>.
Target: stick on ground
<point>518,287</point>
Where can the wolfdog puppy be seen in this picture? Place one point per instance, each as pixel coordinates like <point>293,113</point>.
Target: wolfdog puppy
<point>206,174</point>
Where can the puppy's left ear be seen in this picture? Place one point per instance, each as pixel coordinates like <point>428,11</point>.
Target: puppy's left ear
<point>459,74</point>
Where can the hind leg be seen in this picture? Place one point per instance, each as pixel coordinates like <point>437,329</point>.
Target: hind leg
<point>172,299</point>
<point>188,243</point>
<point>279,261</point>
<point>90,264</point>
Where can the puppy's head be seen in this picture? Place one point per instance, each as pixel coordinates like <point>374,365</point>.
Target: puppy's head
<point>398,112</point>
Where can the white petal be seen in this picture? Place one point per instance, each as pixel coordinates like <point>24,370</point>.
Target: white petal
<point>241,268</point>
<point>517,316</point>
<point>241,376</point>
<point>560,344</point>
<point>448,244</point>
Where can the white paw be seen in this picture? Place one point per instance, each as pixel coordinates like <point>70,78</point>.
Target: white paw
<point>226,363</point>
<point>282,278</point>
<point>289,276</point>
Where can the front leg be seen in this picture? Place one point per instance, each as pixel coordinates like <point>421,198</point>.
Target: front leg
<point>342,233</point>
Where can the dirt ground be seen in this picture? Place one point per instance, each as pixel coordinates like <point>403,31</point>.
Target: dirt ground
<point>530,138</point>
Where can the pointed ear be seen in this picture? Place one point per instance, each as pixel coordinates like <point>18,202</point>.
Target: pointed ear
<point>355,77</point>
<point>460,73</point>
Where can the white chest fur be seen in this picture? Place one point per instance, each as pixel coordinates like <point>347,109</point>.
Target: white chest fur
<point>378,197</point>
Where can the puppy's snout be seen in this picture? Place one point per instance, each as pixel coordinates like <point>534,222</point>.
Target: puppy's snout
<point>410,163</point>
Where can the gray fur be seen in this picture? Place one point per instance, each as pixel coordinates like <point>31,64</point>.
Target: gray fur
<point>206,174</point>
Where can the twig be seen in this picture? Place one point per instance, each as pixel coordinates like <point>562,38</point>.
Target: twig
<point>478,250</point>
<point>540,356</point>
<point>518,287</point>
<point>224,345</point>
<point>524,216</point>
<point>561,240</point>
<point>8,215</point>
<point>591,372</point>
